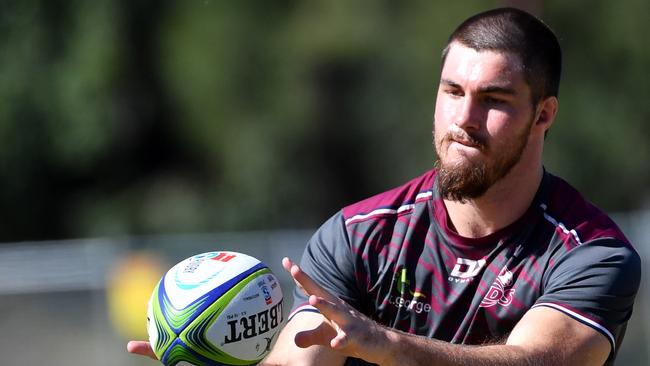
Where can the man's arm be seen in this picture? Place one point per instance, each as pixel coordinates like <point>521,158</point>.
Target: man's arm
<point>544,336</point>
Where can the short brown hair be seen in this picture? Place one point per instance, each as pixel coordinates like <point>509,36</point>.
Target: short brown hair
<point>518,32</point>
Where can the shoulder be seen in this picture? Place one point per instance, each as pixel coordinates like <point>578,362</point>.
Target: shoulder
<point>575,218</point>
<point>587,241</point>
<point>395,201</point>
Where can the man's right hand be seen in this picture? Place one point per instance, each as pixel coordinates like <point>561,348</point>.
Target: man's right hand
<point>307,338</point>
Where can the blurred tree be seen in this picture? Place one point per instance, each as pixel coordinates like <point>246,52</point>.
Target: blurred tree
<point>135,117</point>
<point>600,141</point>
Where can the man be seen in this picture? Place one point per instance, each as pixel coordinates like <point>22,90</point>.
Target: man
<point>487,259</point>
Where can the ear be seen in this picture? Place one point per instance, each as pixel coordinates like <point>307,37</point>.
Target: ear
<point>546,111</point>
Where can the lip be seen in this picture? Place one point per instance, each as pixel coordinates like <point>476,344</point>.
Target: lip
<point>466,143</point>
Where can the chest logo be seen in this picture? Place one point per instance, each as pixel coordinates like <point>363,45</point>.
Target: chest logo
<point>407,299</point>
<point>501,291</point>
<point>466,269</point>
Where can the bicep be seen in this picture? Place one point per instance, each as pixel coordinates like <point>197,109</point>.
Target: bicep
<point>286,352</point>
<point>551,334</point>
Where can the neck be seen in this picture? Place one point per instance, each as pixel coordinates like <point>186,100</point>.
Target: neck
<point>503,203</point>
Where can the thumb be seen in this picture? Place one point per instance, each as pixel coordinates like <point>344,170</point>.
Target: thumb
<point>321,335</point>
<point>340,341</point>
<point>142,348</point>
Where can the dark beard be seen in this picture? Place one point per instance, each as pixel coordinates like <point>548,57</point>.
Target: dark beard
<point>462,182</point>
<point>470,180</point>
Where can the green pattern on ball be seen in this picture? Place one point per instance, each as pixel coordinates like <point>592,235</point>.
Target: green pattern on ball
<point>177,354</point>
<point>165,334</point>
<point>177,318</point>
<point>194,334</point>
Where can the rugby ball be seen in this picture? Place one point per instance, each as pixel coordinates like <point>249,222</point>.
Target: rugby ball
<point>215,308</point>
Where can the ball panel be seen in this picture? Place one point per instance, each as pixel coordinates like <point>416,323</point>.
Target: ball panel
<point>179,318</point>
<point>179,353</point>
<point>152,330</point>
<point>160,334</point>
<point>196,334</point>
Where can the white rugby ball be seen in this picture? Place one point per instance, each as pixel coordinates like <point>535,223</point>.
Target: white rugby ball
<point>215,308</point>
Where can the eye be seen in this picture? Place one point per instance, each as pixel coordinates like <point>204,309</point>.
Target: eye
<point>493,100</point>
<point>454,92</point>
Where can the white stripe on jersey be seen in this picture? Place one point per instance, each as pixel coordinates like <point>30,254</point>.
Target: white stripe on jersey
<point>581,318</point>
<point>300,308</point>
<point>561,225</point>
<point>389,211</point>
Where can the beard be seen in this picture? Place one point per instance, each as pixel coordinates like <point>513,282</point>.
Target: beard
<point>469,179</point>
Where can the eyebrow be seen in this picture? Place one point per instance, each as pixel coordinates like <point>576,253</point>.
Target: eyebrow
<point>484,90</point>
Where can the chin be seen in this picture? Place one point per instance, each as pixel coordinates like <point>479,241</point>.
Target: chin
<point>462,161</point>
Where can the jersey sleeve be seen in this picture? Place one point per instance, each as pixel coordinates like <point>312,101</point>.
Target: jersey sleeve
<point>329,261</point>
<point>595,283</point>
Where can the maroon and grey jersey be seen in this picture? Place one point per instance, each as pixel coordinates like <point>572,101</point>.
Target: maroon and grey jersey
<point>395,258</point>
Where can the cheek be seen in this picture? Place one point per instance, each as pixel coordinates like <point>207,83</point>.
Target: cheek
<point>503,122</point>
<point>444,108</point>
<point>496,123</point>
<point>443,114</point>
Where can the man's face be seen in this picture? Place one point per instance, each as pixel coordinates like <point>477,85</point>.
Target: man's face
<point>482,120</point>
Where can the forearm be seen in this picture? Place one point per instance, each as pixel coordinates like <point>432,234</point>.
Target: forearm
<point>403,349</point>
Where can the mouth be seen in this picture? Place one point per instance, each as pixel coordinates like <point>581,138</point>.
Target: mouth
<point>466,142</point>
<point>462,142</point>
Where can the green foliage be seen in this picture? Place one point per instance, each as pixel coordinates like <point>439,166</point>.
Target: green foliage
<point>142,117</point>
<point>599,141</point>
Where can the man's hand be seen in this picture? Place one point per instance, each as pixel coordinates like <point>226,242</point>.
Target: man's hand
<point>344,330</point>
<point>142,348</point>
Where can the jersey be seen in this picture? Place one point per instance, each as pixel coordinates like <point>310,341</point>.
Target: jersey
<point>396,258</point>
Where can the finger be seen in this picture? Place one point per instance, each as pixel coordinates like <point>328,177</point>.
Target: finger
<point>287,264</point>
<point>307,284</point>
<point>342,316</point>
<point>336,311</point>
<point>340,341</point>
<point>321,335</point>
<point>141,348</point>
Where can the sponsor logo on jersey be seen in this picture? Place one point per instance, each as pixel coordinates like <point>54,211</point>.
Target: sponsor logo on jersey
<point>500,292</point>
<point>407,298</point>
<point>465,270</point>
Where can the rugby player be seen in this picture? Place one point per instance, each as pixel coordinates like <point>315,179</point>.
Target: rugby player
<point>488,258</point>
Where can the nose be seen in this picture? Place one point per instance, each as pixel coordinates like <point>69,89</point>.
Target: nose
<point>468,113</point>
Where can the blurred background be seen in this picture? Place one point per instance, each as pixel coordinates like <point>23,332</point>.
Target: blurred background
<point>134,134</point>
